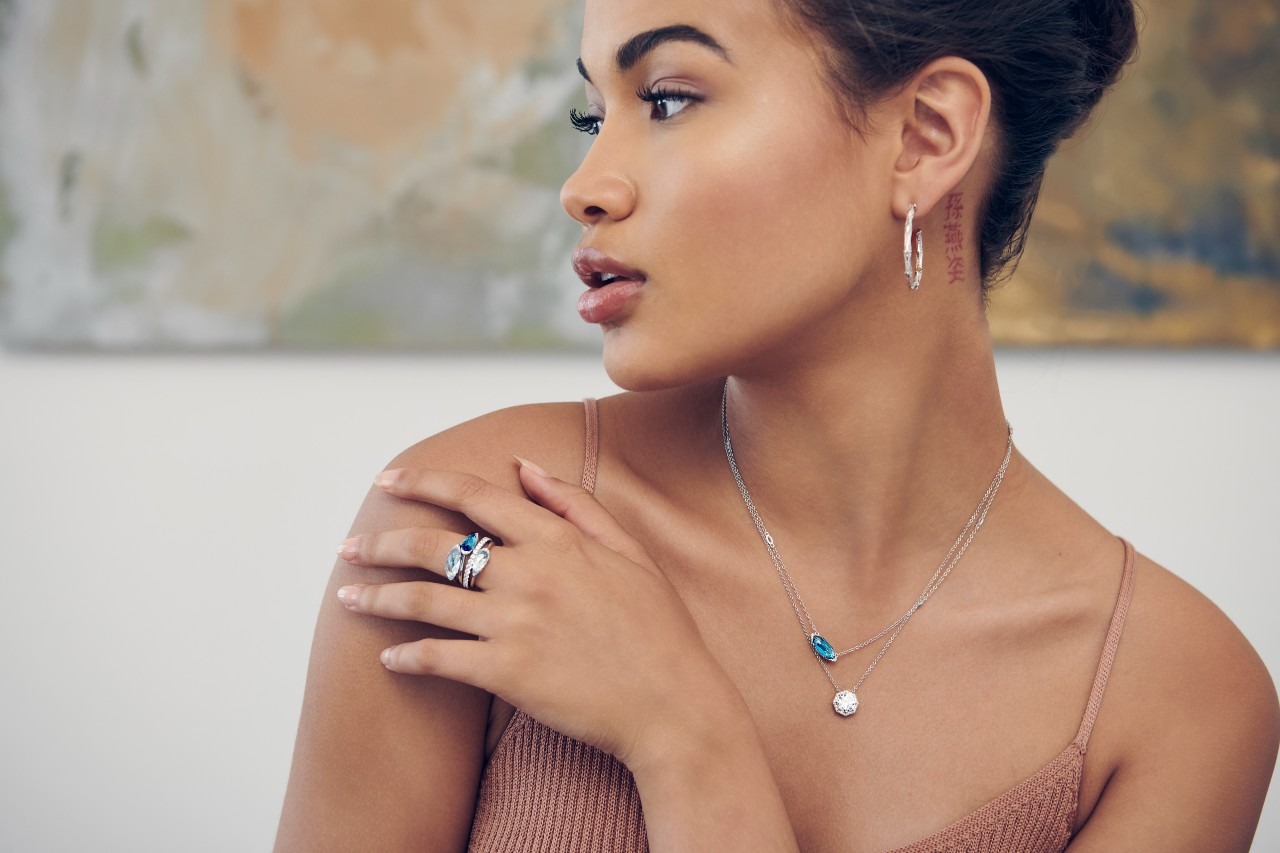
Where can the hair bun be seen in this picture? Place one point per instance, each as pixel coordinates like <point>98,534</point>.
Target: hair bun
<point>1109,31</point>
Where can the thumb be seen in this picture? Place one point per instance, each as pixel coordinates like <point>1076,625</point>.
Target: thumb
<point>580,508</point>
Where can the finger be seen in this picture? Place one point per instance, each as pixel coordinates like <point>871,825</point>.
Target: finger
<point>412,547</point>
<point>511,517</point>
<point>423,601</point>
<point>579,507</point>
<point>468,661</point>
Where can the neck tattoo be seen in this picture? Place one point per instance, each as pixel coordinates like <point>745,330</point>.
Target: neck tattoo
<point>846,701</point>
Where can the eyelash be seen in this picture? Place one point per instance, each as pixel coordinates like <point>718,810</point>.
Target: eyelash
<point>591,124</point>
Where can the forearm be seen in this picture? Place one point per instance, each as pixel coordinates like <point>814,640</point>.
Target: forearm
<point>712,789</point>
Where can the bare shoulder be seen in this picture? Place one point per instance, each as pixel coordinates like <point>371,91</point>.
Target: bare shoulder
<point>629,424</point>
<point>388,761</point>
<point>1194,714</point>
<point>1190,649</point>
<point>553,435</point>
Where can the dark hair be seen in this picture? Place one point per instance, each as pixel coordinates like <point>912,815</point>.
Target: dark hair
<point>1048,63</point>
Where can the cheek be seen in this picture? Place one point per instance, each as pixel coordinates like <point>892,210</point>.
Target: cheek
<point>760,223</point>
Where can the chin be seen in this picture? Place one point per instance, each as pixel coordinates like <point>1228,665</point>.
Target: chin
<point>636,374</point>
<point>636,364</point>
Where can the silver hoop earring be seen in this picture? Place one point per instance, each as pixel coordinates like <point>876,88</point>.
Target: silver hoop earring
<point>912,279</point>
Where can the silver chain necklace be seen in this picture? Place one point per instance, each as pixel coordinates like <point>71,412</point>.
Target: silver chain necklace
<point>846,701</point>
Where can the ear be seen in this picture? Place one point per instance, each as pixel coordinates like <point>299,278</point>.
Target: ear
<point>944,114</point>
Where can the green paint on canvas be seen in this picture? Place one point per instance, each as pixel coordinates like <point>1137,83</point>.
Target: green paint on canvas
<point>117,245</point>
<point>136,50</point>
<point>526,336</point>
<point>68,179</point>
<point>551,153</point>
<point>6,14</point>
<point>8,226</point>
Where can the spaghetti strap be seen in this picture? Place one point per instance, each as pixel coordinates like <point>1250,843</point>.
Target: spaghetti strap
<point>1109,649</point>
<point>592,444</point>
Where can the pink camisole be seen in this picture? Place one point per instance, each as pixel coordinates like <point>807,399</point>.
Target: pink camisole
<point>544,792</point>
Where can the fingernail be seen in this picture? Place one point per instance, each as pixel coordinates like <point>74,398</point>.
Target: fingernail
<point>349,595</point>
<point>387,656</point>
<point>527,464</point>
<point>387,478</point>
<point>349,548</point>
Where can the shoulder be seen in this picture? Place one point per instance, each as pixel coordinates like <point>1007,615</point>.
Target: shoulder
<point>552,435</point>
<point>1190,649</point>
<point>349,789</point>
<point>1194,720</point>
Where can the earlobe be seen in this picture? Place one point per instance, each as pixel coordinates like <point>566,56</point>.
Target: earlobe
<point>947,107</point>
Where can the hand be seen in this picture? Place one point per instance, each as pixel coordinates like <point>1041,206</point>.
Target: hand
<point>576,623</point>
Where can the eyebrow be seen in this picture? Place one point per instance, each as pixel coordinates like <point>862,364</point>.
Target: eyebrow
<point>641,44</point>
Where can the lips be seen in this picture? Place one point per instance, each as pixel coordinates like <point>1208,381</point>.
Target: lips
<point>596,269</point>
<point>613,286</point>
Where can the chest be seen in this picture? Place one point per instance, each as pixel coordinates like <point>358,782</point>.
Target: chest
<point>964,704</point>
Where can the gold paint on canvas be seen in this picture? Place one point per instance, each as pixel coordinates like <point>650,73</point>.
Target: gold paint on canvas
<point>1162,224</point>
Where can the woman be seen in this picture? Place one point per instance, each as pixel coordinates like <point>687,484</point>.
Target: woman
<point>809,422</point>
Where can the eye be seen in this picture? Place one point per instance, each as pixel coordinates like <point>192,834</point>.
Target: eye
<point>666,104</point>
<point>664,99</point>
<point>585,123</point>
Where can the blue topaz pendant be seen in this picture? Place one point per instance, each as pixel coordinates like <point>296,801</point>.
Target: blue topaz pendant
<point>822,647</point>
<point>845,703</point>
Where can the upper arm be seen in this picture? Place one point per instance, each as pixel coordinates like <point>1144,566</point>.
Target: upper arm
<point>386,761</point>
<point>1202,728</point>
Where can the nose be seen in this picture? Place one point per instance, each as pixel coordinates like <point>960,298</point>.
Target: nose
<point>596,191</point>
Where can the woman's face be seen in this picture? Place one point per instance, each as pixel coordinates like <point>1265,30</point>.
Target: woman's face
<point>752,209</point>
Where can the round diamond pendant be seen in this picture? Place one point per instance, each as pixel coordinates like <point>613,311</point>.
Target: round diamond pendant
<point>845,703</point>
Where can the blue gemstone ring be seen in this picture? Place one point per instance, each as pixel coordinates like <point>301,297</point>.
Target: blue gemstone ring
<point>458,556</point>
<point>478,560</point>
<point>466,560</point>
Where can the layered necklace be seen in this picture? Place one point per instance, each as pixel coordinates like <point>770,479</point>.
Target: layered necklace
<point>846,701</point>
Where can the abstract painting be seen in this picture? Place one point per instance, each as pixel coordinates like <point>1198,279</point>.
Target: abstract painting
<point>299,174</point>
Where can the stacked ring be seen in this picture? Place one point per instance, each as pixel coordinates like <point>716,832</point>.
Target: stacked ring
<point>466,560</point>
<point>478,560</point>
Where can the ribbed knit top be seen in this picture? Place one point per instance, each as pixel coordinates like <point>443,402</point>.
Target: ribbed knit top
<point>544,792</point>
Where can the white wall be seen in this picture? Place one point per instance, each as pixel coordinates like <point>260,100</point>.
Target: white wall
<point>167,526</point>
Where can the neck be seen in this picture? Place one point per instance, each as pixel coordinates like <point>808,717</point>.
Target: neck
<point>866,463</point>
